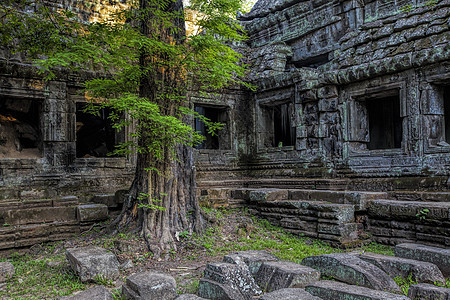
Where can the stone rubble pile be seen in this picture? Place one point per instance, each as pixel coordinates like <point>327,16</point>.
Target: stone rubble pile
<point>257,274</point>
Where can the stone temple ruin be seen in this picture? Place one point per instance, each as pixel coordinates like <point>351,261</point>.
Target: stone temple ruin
<point>346,138</point>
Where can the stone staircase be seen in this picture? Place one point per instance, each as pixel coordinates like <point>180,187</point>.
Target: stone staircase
<point>27,222</point>
<point>344,217</point>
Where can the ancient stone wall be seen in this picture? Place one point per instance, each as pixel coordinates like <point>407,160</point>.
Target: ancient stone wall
<point>352,97</point>
<point>335,65</point>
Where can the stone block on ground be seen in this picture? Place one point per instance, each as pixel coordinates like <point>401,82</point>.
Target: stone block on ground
<point>438,256</point>
<point>95,293</point>
<point>352,270</point>
<point>423,272</point>
<point>91,262</point>
<point>236,276</point>
<point>252,258</point>
<point>189,297</point>
<point>334,290</point>
<point>424,291</point>
<point>6,271</point>
<point>210,289</point>
<point>289,294</point>
<point>92,212</point>
<point>277,275</point>
<point>150,286</point>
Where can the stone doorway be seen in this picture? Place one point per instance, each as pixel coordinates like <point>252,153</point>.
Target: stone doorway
<point>20,128</point>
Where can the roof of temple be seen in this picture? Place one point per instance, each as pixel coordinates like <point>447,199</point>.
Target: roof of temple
<point>264,7</point>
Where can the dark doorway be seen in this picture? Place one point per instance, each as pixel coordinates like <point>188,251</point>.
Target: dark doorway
<point>447,113</point>
<point>95,135</point>
<point>219,140</point>
<point>284,131</point>
<point>20,134</point>
<point>385,123</point>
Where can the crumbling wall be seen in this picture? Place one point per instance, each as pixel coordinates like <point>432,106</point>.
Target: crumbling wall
<point>336,62</point>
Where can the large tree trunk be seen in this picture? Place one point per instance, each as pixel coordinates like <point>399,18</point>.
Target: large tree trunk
<point>172,187</point>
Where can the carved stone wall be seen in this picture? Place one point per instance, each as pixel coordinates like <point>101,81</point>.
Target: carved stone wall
<point>339,62</point>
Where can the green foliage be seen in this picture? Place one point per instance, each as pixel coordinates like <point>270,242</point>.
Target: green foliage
<point>151,203</point>
<point>407,8</point>
<point>422,214</point>
<point>446,285</point>
<point>184,234</point>
<point>128,59</point>
<point>103,280</point>
<point>405,283</point>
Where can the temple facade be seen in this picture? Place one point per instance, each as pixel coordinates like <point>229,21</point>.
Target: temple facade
<point>350,117</point>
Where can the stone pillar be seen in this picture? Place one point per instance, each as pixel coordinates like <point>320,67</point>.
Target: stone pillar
<point>58,124</point>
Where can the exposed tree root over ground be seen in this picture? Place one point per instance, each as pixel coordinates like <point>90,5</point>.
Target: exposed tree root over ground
<point>43,272</point>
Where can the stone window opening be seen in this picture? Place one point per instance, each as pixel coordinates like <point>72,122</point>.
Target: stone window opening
<point>95,135</point>
<point>385,123</point>
<point>20,128</point>
<point>217,114</point>
<point>280,125</point>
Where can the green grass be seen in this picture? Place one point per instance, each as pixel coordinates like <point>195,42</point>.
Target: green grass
<point>378,248</point>
<point>190,287</point>
<point>265,236</point>
<point>37,280</point>
<point>405,283</point>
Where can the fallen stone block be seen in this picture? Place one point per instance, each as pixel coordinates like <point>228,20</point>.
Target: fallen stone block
<point>210,289</point>
<point>277,275</point>
<point>95,293</point>
<point>289,294</point>
<point>150,286</point>
<point>252,258</point>
<point>438,256</point>
<point>6,271</point>
<point>189,297</point>
<point>424,291</point>
<point>334,290</point>
<point>423,272</point>
<point>352,270</point>
<point>92,262</point>
<point>236,276</point>
<point>92,212</point>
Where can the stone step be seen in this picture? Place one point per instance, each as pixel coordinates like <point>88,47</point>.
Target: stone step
<point>334,290</point>
<point>352,270</point>
<point>422,272</point>
<point>277,275</point>
<point>420,196</point>
<point>409,210</point>
<point>37,203</point>
<point>435,255</point>
<point>424,291</point>
<point>290,183</point>
<point>359,199</point>
<point>39,215</point>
